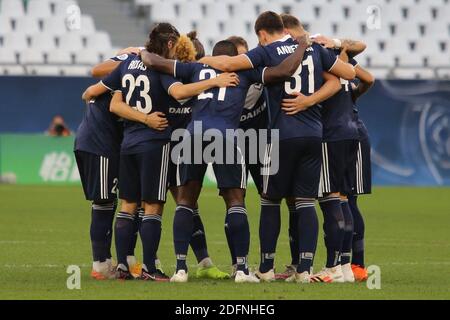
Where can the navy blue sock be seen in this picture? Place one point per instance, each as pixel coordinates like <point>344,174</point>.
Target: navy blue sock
<point>150,232</point>
<point>183,224</point>
<point>101,217</point>
<point>308,231</point>
<point>198,240</point>
<point>109,234</point>
<point>269,230</point>
<point>136,227</point>
<point>358,232</point>
<point>124,232</point>
<point>230,243</point>
<point>348,233</point>
<point>333,227</point>
<point>293,235</point>
<point>239,230</point>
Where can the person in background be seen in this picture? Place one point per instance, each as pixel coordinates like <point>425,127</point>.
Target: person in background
<point>58,127</point>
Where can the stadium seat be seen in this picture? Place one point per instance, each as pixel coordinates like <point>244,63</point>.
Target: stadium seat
<point>71,41</point>
<point>12,70</point>
<point>39,8</point>
<point>438,30</point>
<point>382,60</point>
<point>393,13</point>
<point>322,27</point>
<point>235,27</point>
<point>183,25</point>
<point>5,24</point>
<point>162,11</point>
<point>245,11</point>
<point>43,70</point>
<point>43,41</point>
<point>349,29</point>
<point>27,25</point>
<point>55,26</point>
<point>443,73</point>
<point>75,71</point>
<point>59,56</point>
<point>398,46</point>
<point>87,25</point>
<point>304,11</point>
<point>31,56</point>
<point>7,56</point>
<point>15,41</point>
<point>99,41</point>
<point>428,46</point>
<point>438,60</point>
<point>191,11</point>
<point>208,29</point>
<point>409,29</point>
<point>420,13</point>
<point>410,60</point>
<point>335,8</point>
<point>12,8</point>
<point>414,73</point>
<point>61,7</point>
<point>218,10</point>
<point>87,56</point>
<point>272,6</point>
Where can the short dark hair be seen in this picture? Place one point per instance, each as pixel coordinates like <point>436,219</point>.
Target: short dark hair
<point>290,21</point>
<point>225,47</point>
<point>238,41</point>
<point>158,38</point>
<point>270,22</point>
<point>197,44</point>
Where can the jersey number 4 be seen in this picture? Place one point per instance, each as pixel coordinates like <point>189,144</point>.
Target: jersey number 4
<point>143,84</point>
<point>209,95</point>
<point>298,78</point>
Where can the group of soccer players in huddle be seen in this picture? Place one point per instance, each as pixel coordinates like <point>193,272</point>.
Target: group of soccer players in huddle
<point>302,87</point>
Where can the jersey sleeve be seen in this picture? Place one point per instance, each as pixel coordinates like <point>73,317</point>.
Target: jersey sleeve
<point>167,81</point>
<point>254,75</point>
<point>257,57</point>
<point>185,71</point>
<point>113,80</point>
<point>328,58</point>
<point>353,62</point>
<point>121,57</point>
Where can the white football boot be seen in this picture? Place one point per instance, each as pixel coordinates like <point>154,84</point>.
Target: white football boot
<point>241,277</point>
<point>329,275</point>
<point>180,276</point>
<point>348,273</point>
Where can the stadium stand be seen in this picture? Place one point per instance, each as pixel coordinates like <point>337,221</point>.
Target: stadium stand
<point>406,38</point>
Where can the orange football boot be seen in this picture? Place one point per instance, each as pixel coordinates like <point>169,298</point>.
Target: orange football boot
<point>359,272</point>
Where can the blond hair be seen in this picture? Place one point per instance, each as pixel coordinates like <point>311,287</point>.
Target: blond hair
<point>185,49</point>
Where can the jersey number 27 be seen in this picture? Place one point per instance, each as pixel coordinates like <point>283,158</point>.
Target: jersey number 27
<point>209,95</point>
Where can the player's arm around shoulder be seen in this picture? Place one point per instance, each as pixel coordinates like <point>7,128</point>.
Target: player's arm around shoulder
<point>181,91</point>
<point>94,91</point>
<point>288,66</point>
<point>367,80</point>
<point>158,63</point>
<point>227,63</point>
<point>301,102</point>
<point>104,68</point>
<point>155,120</point>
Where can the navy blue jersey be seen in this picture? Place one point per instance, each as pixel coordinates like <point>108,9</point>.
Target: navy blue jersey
<point>180,114</point>
<point>100,132</point>
<point>307,80</point>
<point>337,113</point>
<point>217,108</point>
<point>146,91</point>
<point>254,114</point>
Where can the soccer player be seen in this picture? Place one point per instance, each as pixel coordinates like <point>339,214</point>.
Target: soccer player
<point>254,116</point>
<point>145,151</point>
<point>300,137</point>
<point>189,49</point>
<point>360,180</point>
<point>97,148</point>
<point>221,110</point>
<point>340,139</point>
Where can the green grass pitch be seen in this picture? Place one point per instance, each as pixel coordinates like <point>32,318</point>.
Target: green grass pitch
<point>45,229</point>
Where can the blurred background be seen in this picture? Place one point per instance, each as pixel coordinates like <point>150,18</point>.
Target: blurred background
<point>47,48</point>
